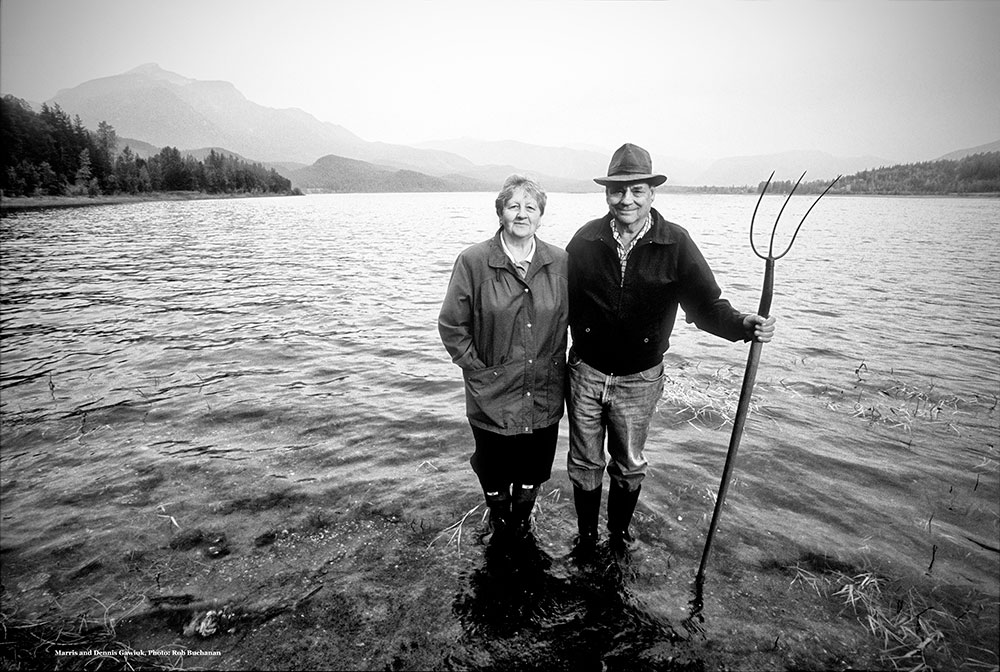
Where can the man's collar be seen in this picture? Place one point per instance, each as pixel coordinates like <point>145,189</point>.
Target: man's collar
<point>660,229</point>
<point>646,224</point>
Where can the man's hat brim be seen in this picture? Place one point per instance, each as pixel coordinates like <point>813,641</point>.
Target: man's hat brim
<point>652,180</point>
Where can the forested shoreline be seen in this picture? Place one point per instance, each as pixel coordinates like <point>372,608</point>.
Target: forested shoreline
<point>47,153</point>
<point>975,174</point>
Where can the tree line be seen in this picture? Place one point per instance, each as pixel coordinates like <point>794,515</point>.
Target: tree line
<point>975,174</point>
<point>48,153</point>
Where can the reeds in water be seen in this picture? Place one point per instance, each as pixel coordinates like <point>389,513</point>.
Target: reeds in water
<point>899,405</point>
<point>84,643</point>
<point>914,632</point>
<point>711,400</point>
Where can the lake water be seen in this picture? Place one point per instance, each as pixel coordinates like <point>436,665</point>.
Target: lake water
<point>162,359</point>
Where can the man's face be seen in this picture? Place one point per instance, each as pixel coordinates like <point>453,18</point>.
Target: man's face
<point>629,203</point>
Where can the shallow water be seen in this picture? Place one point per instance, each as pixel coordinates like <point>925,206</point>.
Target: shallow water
<point>163,363</point>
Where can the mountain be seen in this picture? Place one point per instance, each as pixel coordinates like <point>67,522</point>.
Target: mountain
<point>494,175</point>
<point>580,163</point>
<point>340,174</point>
<point>561,161</point>
<point>162,108</point>
<point>962,153</point>
<point>752,170</point>
<point>167,109</point>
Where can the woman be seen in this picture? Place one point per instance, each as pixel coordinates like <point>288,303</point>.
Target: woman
<point>504,323</point>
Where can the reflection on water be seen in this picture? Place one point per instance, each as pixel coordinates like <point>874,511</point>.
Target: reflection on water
<point>523,609</point>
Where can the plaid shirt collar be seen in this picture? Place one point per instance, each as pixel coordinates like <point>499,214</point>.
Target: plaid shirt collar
<point>625,250</point>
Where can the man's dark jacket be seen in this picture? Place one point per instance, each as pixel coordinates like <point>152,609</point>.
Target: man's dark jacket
<point>622,326</point>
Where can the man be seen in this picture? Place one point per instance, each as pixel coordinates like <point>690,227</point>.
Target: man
<point>628,272</point>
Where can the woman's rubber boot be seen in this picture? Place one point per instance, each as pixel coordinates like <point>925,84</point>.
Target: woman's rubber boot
<point>588,509</point>
<point>621,506</point>
<point>499,504</point>
<point>522,504</point>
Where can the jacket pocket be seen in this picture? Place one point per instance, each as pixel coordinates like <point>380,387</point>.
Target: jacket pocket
<point>486,394</point>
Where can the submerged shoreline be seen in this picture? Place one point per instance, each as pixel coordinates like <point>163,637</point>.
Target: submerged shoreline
<point>354,585</point>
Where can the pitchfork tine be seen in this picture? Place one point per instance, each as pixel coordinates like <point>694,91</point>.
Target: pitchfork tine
<point>770,249</point>
<point>760,198</point>
<point>806,215</point>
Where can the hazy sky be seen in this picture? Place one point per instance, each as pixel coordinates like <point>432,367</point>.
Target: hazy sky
<point>904,81</point>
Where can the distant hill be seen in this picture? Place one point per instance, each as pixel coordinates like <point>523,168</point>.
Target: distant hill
<point>340,174</point>
<point>579,164</point>
<point>962,153</point>
<point>494,175</point>
<point>752,170</point>
<point>166,109</point>
<point>145,150</point>
<point>561,161</point>
<point>202,152</point>
<point>976,173</point>
<point>140,148</point>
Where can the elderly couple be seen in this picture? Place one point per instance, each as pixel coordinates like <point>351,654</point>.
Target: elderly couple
<point>617,286</point>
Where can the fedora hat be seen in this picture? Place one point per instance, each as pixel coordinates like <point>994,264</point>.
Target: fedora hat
<point>631,163</point>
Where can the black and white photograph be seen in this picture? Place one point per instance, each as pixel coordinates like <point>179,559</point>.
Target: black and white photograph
<point>582,335</point>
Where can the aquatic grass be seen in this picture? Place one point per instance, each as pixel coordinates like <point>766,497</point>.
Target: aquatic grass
<point>898,404</point>
<point>915,633</point>
<point>455,530</point>
<point>79,643</point>
<point>554,496</point>
<point>808,578</point>
<point>714,398</point>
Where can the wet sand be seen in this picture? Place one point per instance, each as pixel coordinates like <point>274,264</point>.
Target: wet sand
<point>358,586</point>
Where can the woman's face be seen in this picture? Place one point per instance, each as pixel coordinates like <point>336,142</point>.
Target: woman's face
<point>521,215</point>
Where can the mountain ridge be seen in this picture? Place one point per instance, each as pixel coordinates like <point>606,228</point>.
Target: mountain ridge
<point>165,108</point>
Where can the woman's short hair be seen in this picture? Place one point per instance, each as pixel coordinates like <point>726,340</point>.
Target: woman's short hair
<point>515,182</point>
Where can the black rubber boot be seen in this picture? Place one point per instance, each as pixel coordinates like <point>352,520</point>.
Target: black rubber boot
<point>522,504</point>
<point>621,506</point>
<point>499,504</point>
<point>588,508</point>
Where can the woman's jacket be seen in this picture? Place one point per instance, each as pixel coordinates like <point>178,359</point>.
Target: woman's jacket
<point>508,335</point>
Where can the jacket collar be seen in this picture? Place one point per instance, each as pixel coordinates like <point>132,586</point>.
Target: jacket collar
<point>660,232</point>
<point>498,258</point>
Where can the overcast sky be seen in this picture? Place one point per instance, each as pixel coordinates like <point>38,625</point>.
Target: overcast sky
<point>903,81</point>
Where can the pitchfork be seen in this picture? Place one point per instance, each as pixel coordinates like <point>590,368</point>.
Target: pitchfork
<point>751,371</point>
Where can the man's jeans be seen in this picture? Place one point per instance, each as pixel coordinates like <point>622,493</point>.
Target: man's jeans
<point>619,407</point>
